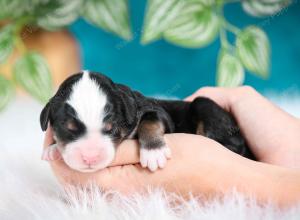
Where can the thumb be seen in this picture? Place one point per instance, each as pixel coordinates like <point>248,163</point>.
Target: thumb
<point>220,95</point>
<point>208,92</point>
<point>48,137</point>
<point>126,153</point>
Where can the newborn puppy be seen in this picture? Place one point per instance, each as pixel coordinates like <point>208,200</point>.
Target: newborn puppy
<point>90,115</point>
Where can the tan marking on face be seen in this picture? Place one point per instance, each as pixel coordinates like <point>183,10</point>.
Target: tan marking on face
<point>108,127</point>
<point>71,126</point>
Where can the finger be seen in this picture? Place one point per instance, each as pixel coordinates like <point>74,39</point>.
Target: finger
<point>191,97</point>
<point>218,94</point>
<point>127,153</point>
<point>51,153</point>
<point>136,178</point>
<point>205,91</point>
<point>129,178</point>
<point>124,179</point>
<point>50,150</point>
<point>48,137</point>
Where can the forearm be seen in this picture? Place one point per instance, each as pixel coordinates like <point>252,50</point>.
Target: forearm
<point>272,133</point>
<point>274,184</point>
<point>263,182</point>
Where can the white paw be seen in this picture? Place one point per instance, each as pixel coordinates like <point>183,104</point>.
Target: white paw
<point>154,158</point>
<point>51,153</point>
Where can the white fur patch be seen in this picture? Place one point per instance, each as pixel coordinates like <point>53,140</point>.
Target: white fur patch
<point>154,158</point>
<point>88,101</point>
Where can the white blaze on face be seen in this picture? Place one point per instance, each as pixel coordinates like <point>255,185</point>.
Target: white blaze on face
<point>94,150</point>
<point>89,101</point>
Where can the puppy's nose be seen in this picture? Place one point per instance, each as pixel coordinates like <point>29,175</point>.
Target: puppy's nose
<point>90,160</point>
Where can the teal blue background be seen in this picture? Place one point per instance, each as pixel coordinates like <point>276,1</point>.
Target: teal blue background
<point>166,69</point>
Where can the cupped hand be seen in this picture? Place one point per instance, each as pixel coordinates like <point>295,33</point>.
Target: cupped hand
<point>198,165</point>
<point>271,133</point>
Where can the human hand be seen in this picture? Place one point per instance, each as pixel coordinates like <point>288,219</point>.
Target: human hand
<point>201,166</point>
<point>271,133</point>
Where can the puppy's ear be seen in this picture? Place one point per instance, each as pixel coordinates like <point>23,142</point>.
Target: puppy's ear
<point>129,110</point>
<point>45,116</point>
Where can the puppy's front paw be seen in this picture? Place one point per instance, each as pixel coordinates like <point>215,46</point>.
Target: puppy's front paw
<point>154,158</point>
<point>51,153</point>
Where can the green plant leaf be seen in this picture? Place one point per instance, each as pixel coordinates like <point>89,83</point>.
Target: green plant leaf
<point>111,15</point>
<point>196,25</point>
<point>230,71</point>
<point>11,9</point>
<point>32,73</point>
<point>260,8</point>
<point>253,49</point>
<point>7,7</point>
<point>57,13</point>
<point>159,16</point>
<point>6,92</point>
<point>6,42</point>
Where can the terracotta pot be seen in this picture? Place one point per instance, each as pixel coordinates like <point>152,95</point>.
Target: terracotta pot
<point>58,48</point>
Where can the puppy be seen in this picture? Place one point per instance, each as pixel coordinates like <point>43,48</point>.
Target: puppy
<point>90,115</point>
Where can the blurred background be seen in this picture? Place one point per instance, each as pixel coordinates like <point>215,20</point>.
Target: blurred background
<point>165,48</point>
<point>168,69</point>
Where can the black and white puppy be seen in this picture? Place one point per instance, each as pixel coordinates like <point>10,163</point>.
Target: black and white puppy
<point>90,115</point>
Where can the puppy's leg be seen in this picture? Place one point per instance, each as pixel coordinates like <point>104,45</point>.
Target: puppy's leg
<point>210,120</point>
<point>153,150</point>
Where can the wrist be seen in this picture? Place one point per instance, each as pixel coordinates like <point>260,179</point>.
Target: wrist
<point>279,185</point>
<point>267,183</point>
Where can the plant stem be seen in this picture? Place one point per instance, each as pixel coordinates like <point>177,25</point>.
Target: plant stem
<point>20,44</point>
<point>231,1</point>
<point>18,39</point>
<point>19,25</point>
<point>223,37</point>
<point>233,29</point>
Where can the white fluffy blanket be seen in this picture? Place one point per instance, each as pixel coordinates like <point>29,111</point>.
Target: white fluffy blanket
<point>28,189</point>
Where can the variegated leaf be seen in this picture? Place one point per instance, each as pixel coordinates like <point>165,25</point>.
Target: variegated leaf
<point>159,16</point>
<point>11,9</point>
<point>32,73</point>
<point>111,15</point>
<point>6,92</point>
<point>195,26</point>
<point>58,13</point>
<point>260,8</point>
<point>253,49</point>
<point>230,71</point>
<point>6,42</point>
<point>7,7</point>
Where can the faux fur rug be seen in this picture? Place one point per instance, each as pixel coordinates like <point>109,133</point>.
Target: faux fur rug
<point>28,189</point>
